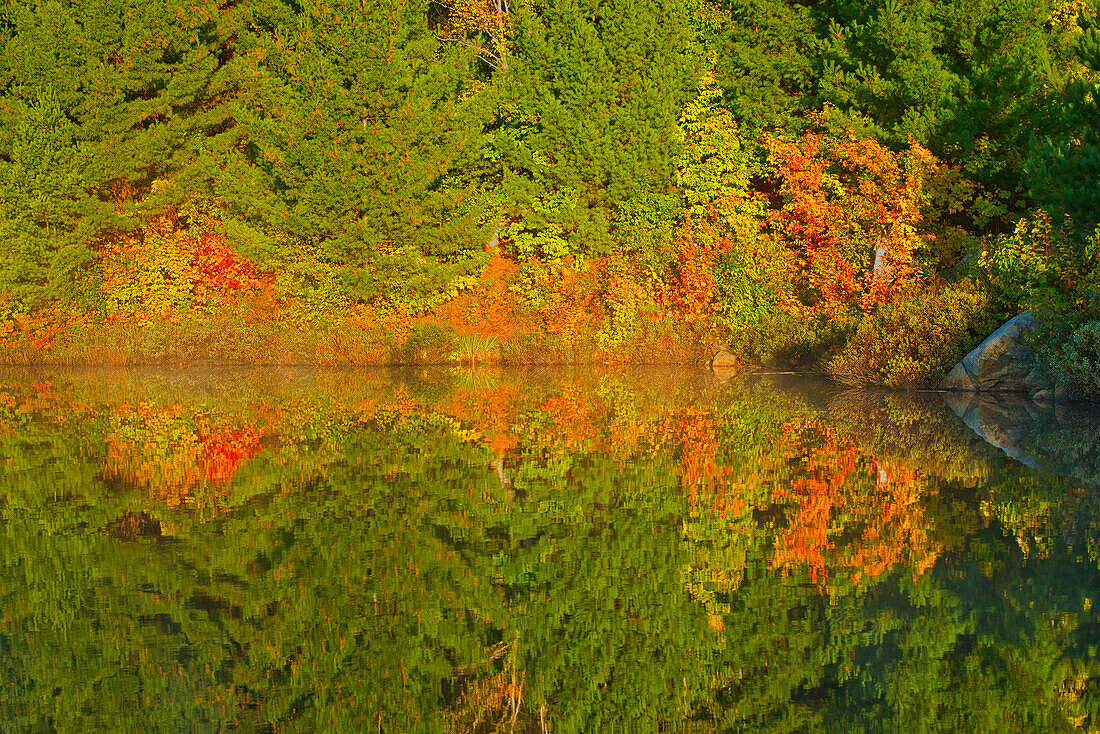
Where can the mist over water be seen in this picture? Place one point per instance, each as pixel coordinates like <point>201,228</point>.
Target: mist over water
<point>540,551</point>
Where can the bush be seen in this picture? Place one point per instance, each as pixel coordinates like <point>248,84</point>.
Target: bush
<point>791,341</point>
<point>1019,266</point>
<point>428,343</point>
<point>1076,362</point>
<point>914,341</point>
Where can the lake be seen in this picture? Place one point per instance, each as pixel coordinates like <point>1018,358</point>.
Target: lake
<point>543,550</point>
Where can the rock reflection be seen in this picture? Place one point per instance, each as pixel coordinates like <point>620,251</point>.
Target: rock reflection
<point>1062,438</point>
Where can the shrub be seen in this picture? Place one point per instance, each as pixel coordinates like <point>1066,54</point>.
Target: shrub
<point>844,199</point>
<point>913,342</point>
<point>1023,268</point>
<point>428,343</point>
<point>1076,362</point>
<point>784,340</point>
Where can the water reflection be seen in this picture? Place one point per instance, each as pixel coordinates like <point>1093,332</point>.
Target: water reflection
<point>536,551</point>
<point>1064,438</point>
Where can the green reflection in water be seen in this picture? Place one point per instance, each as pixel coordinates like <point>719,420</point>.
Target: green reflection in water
<point>527,552</point>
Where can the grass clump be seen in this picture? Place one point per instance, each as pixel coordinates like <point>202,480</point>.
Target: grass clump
<point>475,349</point>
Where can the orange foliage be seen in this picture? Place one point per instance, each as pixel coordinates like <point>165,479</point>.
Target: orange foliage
<point>492,411</point>
<point>174,453</point>
<point>33,333</point>
<point>698,246</point>
<point>576,423</point>
<point>694,435</point>
<point>489,309</point>
<point>830,504</point>
<point>570,310</point>
<point>843,199</point>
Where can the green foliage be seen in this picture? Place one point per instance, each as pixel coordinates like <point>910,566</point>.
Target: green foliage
<point>1027,268</point>
<point>428,344</point>
<point>99,100</point>
<point>547,229</point>
<point>645,228</point>
<point>363,130</point>
<point>713,167</point>
<point>964,78</point>
<point>909,67</point>
<point>780,339</point>
<point>600,83</point>
<point>767,51</point>
<point>474,348</point>
<point>747,282</point>
<point>1065,158</point>
<point>41,198</point>
<point>1075,363</point>
<point>914,341</point>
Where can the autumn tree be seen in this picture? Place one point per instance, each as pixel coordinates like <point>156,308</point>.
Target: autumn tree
<point>482,25</point>
<point>853,214</point>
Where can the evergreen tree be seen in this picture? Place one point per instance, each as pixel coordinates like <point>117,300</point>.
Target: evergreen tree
<point>100,99</point>
<point>362,124</point>
<point>591,101</point>
<point>767,54</point>
<point>963,78</point>
<point>1064,166</point>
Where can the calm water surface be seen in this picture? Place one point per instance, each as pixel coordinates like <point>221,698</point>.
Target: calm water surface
<point>540,551</point>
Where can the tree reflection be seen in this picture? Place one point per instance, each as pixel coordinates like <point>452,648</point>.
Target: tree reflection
<point>577,553</point>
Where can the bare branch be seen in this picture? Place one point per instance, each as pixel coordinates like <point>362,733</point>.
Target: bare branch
<point>481,50</point>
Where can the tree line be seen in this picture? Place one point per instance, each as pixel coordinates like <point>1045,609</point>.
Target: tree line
<point>366,153</point>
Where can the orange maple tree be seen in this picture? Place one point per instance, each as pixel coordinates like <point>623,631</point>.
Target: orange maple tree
<point>853,212</point>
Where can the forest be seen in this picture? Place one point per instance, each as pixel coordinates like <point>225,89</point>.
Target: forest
<point>863,187</point>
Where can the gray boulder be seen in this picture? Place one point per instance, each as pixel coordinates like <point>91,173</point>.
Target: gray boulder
<point>1002,363</point>
<point>1001,422</point>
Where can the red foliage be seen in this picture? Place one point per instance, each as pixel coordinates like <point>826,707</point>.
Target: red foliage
<point>698,246</point>
<point>219,270</point>
<point>223,453</point>
<point>844,199</point>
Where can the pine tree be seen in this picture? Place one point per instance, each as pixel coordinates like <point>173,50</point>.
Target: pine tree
<point>592,100</point>
<point>964,78</point>
<point>1064,166</point>
<point>361,124</point>
<point>99,100</point>
<point>767,53</point>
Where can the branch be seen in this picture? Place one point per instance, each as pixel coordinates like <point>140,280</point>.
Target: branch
<point>481,50</point>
